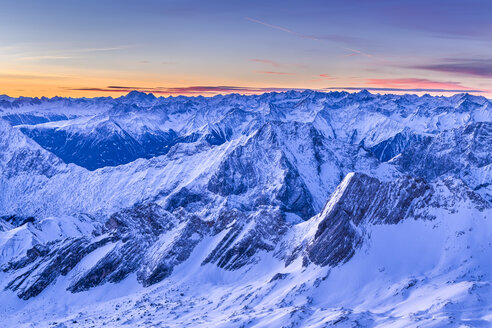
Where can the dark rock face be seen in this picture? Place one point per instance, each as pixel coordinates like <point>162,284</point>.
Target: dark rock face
<point>218,135</point>
<point>393,146</point>
<point>236,249</point>
<point>129,233</point>
<point>184,198</point>
<point>451,152</point>
<point>17,221</point>
<point>293,194</point>
<point>160,261</point>
<point>146,240</point>
<point>134,230</point>
<point>42,267</point>
<point>279,276</point>
<point>250,166</point>
<point>458,152</point>
<point>237,174</point>
<point>361,200</point>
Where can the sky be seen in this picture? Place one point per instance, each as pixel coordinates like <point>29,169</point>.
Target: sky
<point>170,47</point>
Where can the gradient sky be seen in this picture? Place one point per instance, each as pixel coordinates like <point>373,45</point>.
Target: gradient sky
<point>108,47</point>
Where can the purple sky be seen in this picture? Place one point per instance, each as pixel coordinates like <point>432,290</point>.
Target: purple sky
<point>94,48</point>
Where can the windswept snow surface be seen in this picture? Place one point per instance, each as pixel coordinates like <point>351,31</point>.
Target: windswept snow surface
<point>295,209</point>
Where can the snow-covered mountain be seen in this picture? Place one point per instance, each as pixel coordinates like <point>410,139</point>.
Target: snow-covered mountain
<point>277,210</point>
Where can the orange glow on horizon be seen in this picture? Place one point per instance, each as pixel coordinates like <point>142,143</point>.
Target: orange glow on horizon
<point>32,85</point>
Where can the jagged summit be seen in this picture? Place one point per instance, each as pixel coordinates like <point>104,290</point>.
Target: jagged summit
<point>364,93</point>
<point>136,98</point>
<point>139,96</point>
<point>360,200</point>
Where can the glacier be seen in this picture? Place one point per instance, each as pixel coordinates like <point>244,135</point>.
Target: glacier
<point>292,209</point>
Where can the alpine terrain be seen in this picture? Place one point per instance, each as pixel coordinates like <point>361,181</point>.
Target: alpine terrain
<point>292,209</point>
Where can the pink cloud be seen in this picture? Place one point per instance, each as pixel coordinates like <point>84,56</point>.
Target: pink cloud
<point>275,73</point>
<point>472,67</point>
<point>267,62</point>
<point>191,90</point>
<point>415,83</point>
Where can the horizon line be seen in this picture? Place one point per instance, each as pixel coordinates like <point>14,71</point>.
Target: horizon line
<point>213,91</point>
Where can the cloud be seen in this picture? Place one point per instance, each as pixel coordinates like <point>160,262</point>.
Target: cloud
<point>323,77</point>
<point>406,89</point>
<point>33,77</point>
<point>384,85</point>
<point>191,90</point>
<point>267,62</point>
<point>471,67</point>
<point>115,48</point>
<point>342,39</point>
<point>280,28</point>
<point>410,85</point>
<point>277,64</point>
<point>331,38</point>
<point>46,57</point>
<point>70,53</point>
<point>415,83</point>
<point>275,73</point>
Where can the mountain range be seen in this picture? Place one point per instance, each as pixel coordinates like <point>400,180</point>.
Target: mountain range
<point>292,209</point>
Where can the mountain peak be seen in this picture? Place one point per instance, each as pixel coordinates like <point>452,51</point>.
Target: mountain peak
<point>360,200</point>
<point>363,94</point>
<point>139,96</point>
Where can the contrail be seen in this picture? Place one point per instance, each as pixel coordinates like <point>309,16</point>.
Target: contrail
<point>305,36</point>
